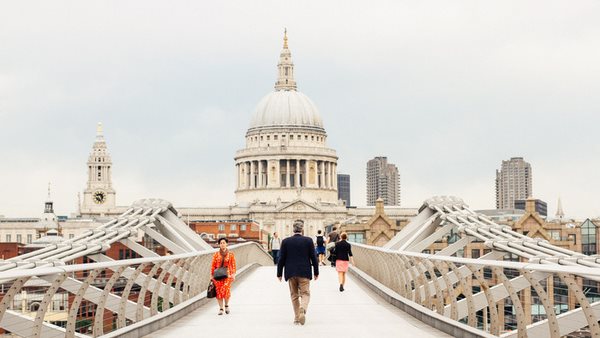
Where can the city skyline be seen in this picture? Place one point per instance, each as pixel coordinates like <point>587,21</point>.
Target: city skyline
<point>445,97</point>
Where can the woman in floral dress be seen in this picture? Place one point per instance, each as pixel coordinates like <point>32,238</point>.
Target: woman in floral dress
<point>223,286</point>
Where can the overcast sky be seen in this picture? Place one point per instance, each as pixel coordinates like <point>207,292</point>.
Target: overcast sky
<point>446,90</point>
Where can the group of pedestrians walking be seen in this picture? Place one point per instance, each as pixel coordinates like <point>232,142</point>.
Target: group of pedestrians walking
<point>297,259</point>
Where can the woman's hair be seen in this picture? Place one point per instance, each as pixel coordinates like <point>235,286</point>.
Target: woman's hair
<point>319,232</point>
<point>222,239</point>
<point>344,235</point>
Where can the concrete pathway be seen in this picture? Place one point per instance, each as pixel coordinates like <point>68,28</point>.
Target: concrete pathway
<point>261,307</point>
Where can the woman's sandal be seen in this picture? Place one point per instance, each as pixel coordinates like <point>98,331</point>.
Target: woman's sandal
<point>227,309</point>
<point>220,312</point>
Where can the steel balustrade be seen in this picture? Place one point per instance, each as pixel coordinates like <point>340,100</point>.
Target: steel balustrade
<point>77,300</point>
<point>479,291</point>
<point>189,279</point>
<point>436,290</point>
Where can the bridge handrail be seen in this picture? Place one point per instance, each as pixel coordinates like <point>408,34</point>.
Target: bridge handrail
<point>579,270</point>
<point>476,290</point>
<point>117,293</point>
<point>68,268</point>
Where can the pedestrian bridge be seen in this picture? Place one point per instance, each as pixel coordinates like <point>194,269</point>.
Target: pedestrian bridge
<point>72,289</point>
<point>260,306</point>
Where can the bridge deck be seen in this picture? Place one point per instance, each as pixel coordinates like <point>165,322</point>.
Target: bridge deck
<point>260,306</point>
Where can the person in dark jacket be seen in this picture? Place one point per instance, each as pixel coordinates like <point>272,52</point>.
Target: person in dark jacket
<point>320,247</point>
<point>296,256</point>
<point>343,252</point>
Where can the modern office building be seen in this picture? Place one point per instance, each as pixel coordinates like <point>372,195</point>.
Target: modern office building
<point>513,182</point>
<point>343,187</point>
<point>383,180</point>
<point>541,207</point>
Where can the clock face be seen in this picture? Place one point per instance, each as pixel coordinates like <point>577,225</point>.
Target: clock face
<point>99,197</point>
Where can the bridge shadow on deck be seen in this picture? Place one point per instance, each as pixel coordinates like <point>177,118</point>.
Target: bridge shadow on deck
<point>260,306</point>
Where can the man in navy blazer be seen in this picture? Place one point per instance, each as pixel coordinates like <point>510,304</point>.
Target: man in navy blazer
<point>296,255</point>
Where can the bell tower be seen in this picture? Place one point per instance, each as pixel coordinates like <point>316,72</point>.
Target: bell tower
<point>99,195</point>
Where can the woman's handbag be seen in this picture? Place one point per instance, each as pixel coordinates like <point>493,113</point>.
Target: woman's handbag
<point>332,256</point>
<point>211,292</point>
<point>220,273</point>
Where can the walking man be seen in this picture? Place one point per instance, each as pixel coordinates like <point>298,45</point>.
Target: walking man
<point>296,256</point>
<point>275,246</point>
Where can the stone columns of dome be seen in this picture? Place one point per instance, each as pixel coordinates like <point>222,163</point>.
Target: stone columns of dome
<point>277,178</point>
<point>239,178</point>
<point>260,174</point>
<point>252,180</point>
<point>287,173</point>
<point>334,176</point>
<point>245,184</point>
<point>309,174</point>
<point>297,174</point>
<point>324,174</point>
<point>242,175</point>
<point>322,177</point>
<point>328,184</point>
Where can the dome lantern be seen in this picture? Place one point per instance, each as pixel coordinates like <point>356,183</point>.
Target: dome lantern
<point>285,68</point>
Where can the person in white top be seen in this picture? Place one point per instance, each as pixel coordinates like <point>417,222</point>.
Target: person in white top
<point>275,246</point>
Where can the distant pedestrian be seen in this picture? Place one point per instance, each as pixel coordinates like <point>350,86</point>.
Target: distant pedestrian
<point>332,238</point>
<point>223,258</point>
<point>296,257</point>
<point>275,247</point>
<point>343,251</point>
<point>320,247</point>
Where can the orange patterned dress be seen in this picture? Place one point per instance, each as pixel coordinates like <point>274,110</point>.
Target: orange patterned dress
<point>223,286</point>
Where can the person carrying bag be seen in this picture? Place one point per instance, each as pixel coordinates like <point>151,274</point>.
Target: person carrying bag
<point>222,270</point>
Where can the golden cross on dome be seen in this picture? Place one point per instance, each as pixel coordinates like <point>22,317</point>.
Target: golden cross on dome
<point>285,44</point>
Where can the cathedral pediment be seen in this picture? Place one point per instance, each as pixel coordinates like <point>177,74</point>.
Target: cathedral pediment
<point>298,206</point>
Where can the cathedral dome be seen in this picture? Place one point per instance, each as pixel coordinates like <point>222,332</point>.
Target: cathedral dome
<point>286,108</point>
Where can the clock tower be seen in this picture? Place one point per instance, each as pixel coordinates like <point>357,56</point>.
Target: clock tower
<point>99,195</point>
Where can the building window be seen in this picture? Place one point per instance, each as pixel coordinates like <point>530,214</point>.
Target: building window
<point>475,253</point>
<point>221,227</point>
<point>572,237</point>
<point>18,238</point>
<point>29,238</point>
<point>233,227</point>
<point>275,137</point>
<point>291,137</point>
<point>588,238</point>
<point>8,238</point>
<point>243,227</point>
<point>356,237</point>
<point>71,236</point>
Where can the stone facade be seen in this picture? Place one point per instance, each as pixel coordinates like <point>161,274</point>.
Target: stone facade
<point>377,230</point>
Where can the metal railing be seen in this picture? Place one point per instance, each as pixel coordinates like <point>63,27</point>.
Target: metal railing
<point>498,297</point>
<point>97,298</point>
